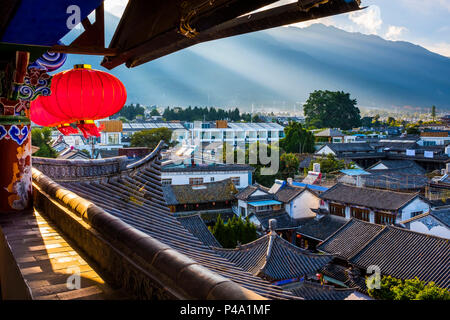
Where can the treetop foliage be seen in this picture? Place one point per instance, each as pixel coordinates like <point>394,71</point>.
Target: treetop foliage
<point>151,138</point>
<point>235,231</point>
<point>411,289</point>
<point>42,138</point>
<point>297,139</point>
<point>331,109</point>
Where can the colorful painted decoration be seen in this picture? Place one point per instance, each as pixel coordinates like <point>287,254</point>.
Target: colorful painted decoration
<point>18,135</point>
<point>79,95</point>
<point>50,61</point>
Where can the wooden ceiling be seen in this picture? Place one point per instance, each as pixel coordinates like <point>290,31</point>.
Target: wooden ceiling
<point>150,29</point>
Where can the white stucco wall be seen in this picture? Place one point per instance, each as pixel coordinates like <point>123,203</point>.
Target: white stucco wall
<point>439,231</point>
<point>325,150</point>
<point>414,206</point>
<point>183,177</point>
<point>379,166</point>
<point>300,207</point>
<point>242,204</point>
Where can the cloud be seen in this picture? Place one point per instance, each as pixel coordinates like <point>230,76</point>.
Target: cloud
<point>115,7</point>
<point>394,32</point>
<point>368,20</point>
<point>442,48</point>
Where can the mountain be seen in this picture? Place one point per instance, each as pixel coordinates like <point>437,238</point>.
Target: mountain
<point>277,68</point>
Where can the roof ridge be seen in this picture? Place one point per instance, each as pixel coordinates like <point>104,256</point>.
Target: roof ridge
<point>245,246</point>
<point>272,238</point>
<point>155,152</point>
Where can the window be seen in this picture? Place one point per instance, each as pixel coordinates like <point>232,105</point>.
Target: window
<point>384,218</point>
<point>113,138</point>
<point>236,181</point>
<point>415,213</point>
<point>361,214</point>
<point>195,181</point>
<point>212,179</point>
<point>166,182</point>
<point>337,209</point>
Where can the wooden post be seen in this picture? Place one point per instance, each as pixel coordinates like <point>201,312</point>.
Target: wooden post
<point>15,164</point>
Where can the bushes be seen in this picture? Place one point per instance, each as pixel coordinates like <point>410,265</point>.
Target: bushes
<point>234,231</point>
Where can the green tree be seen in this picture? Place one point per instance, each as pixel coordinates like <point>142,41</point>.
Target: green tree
<point>376,121</point>
<point>331,109</point>
<point>366,121</point>
<point>330,164</point>
<point>154,113</point>
<point>297,139</point>
<point>289,165</point>
<point>410,289</point>
<point>151,138</point>
<point>42,138</point>
<point>235,231</point>
<point>413,129</point>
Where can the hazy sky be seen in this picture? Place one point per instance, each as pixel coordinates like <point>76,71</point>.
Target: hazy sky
<point>423,22</point>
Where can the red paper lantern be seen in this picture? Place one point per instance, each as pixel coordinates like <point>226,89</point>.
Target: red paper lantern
<point>79,95</point>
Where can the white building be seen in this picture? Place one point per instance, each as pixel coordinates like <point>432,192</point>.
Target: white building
<point>235,133</point>
<point>372,205</point>
<point>434,222</point>
<point>198,174</point>
<point>296,199</point>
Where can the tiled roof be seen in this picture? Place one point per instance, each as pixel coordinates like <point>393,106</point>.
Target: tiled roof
<point>330,133</point>
<point>223,190</point>
<point>407,254</point>
<point>350,147</point>
<point>443,215</point>
<point>316,291</point>
<point>394,179</point>
<point>284,220</point>
<point>198,228</point>
<point>395,146</point>
<point>368,197</point>
<point>273,258</point>
<point>350,238</point>
<point>350,277</point>
<point>322,228</point>
<point>408,166</point>
<point>135,196</point>
<point>287,193</point>
<point>398,252</point>
<point>246,193</point>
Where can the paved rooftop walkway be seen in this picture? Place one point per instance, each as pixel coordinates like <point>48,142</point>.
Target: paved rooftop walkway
<point>46,260</point>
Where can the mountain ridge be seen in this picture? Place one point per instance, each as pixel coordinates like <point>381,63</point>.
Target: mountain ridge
<point>277,68</point>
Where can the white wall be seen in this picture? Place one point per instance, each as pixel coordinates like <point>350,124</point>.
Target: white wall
<point>325,150</point>
<point>379,166</point>
<point>414,206</point>
<point>242,204</point>
<point>439,231</point>
<point>300,207</point>
<point>183,177</point>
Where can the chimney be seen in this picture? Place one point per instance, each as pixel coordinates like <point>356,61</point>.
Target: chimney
<point>289,181</point>
<point>272,225</point>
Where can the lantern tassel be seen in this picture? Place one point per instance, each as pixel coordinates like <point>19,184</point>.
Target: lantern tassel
<point>88,128</point>
<point>66,129</point>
